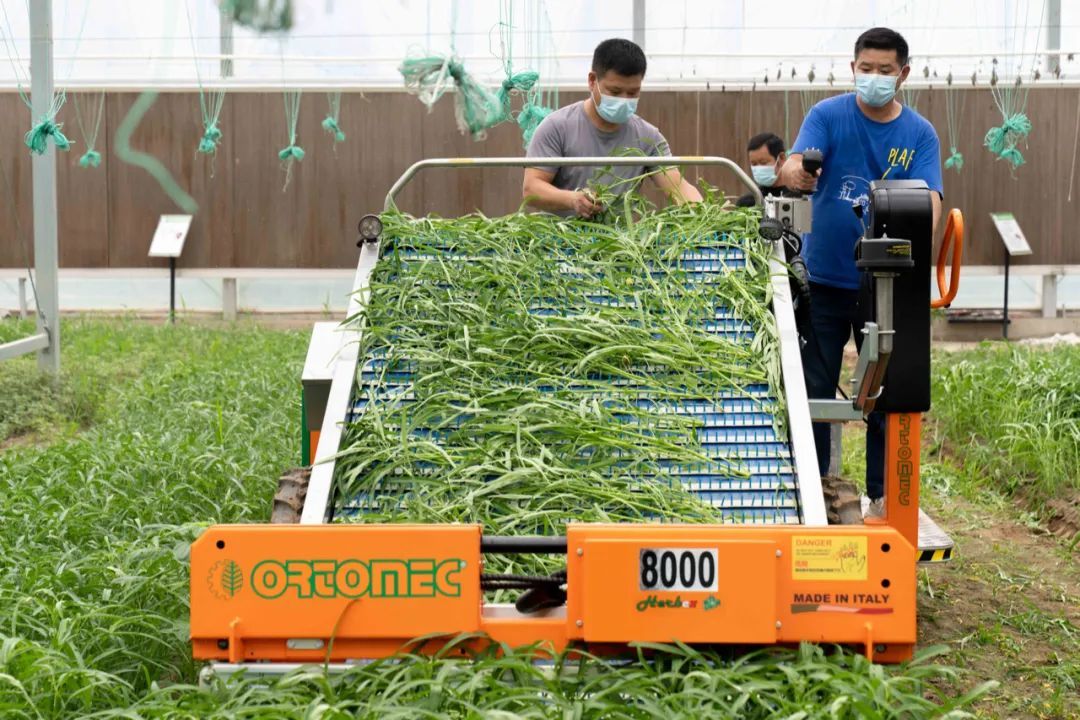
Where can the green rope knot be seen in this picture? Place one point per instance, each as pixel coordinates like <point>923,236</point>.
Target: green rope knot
<point>529,119</point>
<point>330,125</point>
<point>38,136</point>
<point>955,161</point>
<point>1018,124</point>
<point>293,152</point>
<point>1002,140</point>
<point>210,139</point>
<point>995,140</point>
<point>456,70</point>
<point>1012,156</point>
<point>92,158</point>
<point>523,81</point>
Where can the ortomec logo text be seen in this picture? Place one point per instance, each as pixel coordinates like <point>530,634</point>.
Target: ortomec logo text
<point>415,578</point>
<point>905,468</point>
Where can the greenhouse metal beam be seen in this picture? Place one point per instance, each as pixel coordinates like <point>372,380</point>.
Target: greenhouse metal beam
<point>1053,35</point>
<point>44,183</point>
<point>225,31</point>
<point>639,23</point>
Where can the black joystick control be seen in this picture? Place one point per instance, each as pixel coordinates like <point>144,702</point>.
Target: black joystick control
<point>811,161</point>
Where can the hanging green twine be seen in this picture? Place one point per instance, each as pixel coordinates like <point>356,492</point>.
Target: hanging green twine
<point>955,161</point>
<point>475,107</point>
<point>210,104</point>
<point>429,77</point>
<point>533,110</point>
<point>292,152</point>
<point>90,159</point>
<point>210,101</point>
<point>37,138</point>
<point>331,122</point>
<point>330,125</point>
<point>1002,140</point>
<point>954,109</point>
<point>1012,156</point>
<point>529,119</point>
<point>210,139</point>
<point>520,82</point>
<point>810,98</point>
<point>539,102</point>
<point>90,127</point>
<point>910,96</point>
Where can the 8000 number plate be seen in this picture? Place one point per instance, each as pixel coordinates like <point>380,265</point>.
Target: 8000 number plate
<point>678,569</point>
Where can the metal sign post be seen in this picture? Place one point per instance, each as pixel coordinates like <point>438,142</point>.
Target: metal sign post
<point>168,242</point>
<point>1015,244</point>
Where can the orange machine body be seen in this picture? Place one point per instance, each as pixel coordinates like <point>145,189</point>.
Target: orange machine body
<point>337,592</point>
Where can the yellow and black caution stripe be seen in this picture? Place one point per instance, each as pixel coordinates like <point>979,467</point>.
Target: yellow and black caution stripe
<point>935,556</point>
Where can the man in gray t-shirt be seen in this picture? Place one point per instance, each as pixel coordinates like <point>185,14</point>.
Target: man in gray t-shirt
<point>603,125</point>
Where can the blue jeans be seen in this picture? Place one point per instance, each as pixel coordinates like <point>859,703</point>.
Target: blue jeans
<point>834,317</point>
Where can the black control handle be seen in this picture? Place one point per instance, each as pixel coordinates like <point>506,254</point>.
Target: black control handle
<point>811,160</point>
<point>811,163</point>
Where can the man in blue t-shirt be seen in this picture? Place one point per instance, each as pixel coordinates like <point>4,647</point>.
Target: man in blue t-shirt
<point>863,136</point>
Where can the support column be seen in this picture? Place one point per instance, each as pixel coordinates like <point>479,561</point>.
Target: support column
<point>1049,296</point>
<point>225,46</point>
<point>228,299</point>
<point>44,183</point>
<point>639,23</point>
<point>24,307</point>
<point>1053,35</point>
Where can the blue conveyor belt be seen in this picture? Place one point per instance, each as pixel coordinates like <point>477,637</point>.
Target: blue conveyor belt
<point>749,476</point>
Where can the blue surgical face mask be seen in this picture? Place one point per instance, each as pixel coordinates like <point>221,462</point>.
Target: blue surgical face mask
<point>616,109</point>
<point>875,90</point>
<point>764,175</point>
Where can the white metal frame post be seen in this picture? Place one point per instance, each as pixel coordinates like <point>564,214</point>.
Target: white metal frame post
<point>46,256</point>
<point>639,23</point>
<point>1053,36</point>
<point>225,42</point>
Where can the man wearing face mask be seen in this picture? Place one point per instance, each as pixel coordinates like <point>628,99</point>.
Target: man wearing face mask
<point>602,125</point>
<point>766,155</point>
<point>863,136</point>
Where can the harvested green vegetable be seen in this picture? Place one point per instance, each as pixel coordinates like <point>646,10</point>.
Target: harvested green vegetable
<point>544,358</point>
<point>94,584</point>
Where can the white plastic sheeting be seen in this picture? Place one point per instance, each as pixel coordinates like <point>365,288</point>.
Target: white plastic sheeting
<point>130,41</point>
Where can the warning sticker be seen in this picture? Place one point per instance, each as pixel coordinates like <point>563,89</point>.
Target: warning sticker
<point>821,557</point>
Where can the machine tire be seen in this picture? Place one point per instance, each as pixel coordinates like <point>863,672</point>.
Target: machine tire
<point>842,503</point>
<point>289,498</point>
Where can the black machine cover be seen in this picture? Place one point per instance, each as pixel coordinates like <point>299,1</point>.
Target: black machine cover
<point>903,209</point>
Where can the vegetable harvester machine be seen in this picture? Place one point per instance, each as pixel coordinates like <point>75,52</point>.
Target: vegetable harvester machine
<point>329,587</point>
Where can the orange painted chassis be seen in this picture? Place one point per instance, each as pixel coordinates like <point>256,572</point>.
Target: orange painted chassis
<point>317,593</point>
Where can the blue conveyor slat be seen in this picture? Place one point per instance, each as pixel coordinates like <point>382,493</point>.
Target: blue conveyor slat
<point>749,476</point>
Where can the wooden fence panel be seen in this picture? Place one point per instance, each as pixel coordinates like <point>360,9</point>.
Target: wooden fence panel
<point>108,215</point>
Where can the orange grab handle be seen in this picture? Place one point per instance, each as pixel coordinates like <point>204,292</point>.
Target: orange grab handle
<point>954,235</point>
